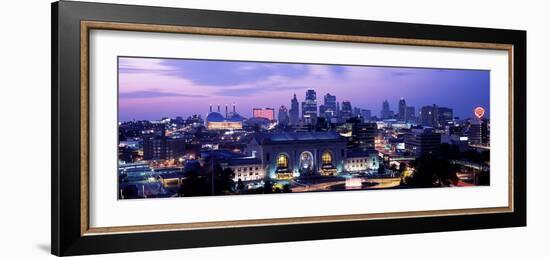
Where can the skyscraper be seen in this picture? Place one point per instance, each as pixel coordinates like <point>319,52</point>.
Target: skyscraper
<point>385,113</point>
<point>365,114</point>
<point>445,115</point>
<point>479,132</point>
<point>402,116</point>
<point>309,107</point>
<point>294,112</point>
<point>283,116</point>
<point>410,114</point>
<point>346,112</point>
<point>362,135</point>
<point>328,109</point>
<point>429,116</point>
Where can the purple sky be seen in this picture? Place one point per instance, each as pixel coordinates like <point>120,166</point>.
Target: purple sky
<point>151,88</point>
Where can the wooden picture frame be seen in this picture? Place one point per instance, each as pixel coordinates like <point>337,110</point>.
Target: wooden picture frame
<point>71,25</point>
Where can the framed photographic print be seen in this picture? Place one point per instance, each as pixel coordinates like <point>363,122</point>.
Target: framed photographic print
<point>177,128</point>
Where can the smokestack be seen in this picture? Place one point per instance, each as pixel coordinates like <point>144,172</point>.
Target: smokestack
<point>226,111</point>
<point>218,108</point>
<point>210,108</point>
<point>234,108</point>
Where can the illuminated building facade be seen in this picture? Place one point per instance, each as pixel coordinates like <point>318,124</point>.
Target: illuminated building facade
<point>266,113</point>
<point>479,133</point>
<point>217,121</point>
<point>361,161</point>
<point>309,108</point>
<point>286,155</point>
<point>246,169</point>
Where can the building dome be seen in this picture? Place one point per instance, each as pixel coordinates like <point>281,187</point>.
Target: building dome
<point>214,117</point>
<point>236,117</point>
<point>217,121</point>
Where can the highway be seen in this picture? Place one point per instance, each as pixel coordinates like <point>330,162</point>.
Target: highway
<point>368,183</point>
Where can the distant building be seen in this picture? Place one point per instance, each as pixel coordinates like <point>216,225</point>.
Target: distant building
<point>162,148</point>
<point>365,115</point>
<point>175,148</point>
<point>445,115</point>
<point>479,133</point>
<point>294,112</point>
<point>217,121</point>
<point>346,112</point>
<point>309,108</point>
<point>329,108</point>
<point>422,141</point>
<point>356,112</point>
<point>154,148</point>
<point>385,113</point>
<point>284,119</point>
<point>410,114</point>
<point>362,135</point>
<point>429,116</point>
<point>460,142</point>
<point>402,112</point>
<point>268,113</point>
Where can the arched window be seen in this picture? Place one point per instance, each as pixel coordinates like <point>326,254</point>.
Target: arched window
<point>327,158</point>
<point>282,161</point>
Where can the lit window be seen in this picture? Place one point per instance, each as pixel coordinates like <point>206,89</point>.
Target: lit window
<point>282,161</point>
<point>327,158</point>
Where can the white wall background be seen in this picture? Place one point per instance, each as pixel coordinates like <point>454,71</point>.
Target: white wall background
<point>25,127</point>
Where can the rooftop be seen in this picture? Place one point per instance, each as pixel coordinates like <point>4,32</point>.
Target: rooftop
<point>264,138</point>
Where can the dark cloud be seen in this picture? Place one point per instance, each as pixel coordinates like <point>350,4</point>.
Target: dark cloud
<point>248,91</point>
<point>230,73</point>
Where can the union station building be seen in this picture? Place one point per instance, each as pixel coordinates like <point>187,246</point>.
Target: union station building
<point>286,155</point>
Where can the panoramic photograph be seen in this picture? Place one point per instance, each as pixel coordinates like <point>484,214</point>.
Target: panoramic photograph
<point>191,127</point>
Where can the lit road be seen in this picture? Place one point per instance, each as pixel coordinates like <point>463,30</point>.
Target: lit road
<point>383,182</point>
<point>368,183</point>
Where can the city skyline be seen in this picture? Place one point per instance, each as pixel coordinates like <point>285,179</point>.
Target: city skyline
<point>151,88</point>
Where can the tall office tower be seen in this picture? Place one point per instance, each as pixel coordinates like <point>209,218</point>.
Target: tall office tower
<point>402,114</point>
<point>365,114</point>
<point>429,116</point>
<point>410,114</point>
<point>346,112</point>
<point>309,108</point>
<point>294,112</point>
<point>283,116</point>
<point>356,111</point>
<point>362,135</point>
<point>385,113</point>
<point>328,109</point>
<point>444,115</point>
<point>479,132</point>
